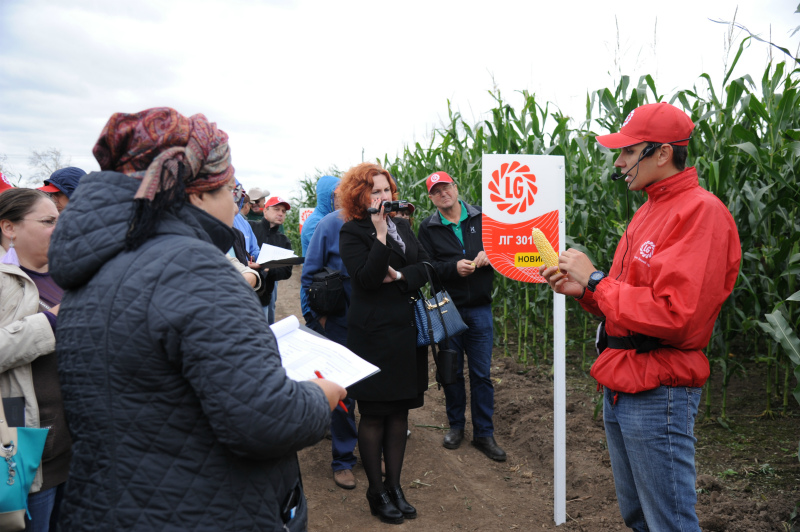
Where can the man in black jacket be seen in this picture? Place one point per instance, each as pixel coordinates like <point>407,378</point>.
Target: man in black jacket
<point>452,236</point>
<point>267,232</point>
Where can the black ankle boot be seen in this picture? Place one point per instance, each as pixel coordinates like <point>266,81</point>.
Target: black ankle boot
<point>396,494</point>
<point>381,505</point>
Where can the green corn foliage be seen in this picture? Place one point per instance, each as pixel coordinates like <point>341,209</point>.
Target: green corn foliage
<point>746,147</point>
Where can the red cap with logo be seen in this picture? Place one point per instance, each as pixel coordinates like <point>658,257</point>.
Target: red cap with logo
<point>277,200</point>
<point>436,178</point>
<point>4,183</point>
<point>653,122</point>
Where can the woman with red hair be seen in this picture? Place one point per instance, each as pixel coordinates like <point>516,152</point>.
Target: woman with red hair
<point>384,260</point>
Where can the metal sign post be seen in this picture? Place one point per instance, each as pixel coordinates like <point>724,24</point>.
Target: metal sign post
<point>520,192</point>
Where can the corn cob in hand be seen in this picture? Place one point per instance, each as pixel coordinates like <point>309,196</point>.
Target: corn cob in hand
<point>546,251</point>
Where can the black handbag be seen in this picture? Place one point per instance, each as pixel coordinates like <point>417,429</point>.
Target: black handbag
<point>430,312</point>
<point>326,295</point>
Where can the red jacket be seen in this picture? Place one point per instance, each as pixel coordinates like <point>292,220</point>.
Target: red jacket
<point>681,264</point>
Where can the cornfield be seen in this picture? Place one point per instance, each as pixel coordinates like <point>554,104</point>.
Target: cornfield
<point>746,147</point>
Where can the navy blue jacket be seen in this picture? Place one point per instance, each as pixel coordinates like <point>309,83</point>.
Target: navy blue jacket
<point>322,252</point>
<point>181,414</point>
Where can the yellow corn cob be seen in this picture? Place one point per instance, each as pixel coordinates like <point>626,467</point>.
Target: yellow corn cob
<point>546,251</point>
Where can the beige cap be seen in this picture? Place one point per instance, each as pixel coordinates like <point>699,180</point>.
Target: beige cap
<point>257,193</point>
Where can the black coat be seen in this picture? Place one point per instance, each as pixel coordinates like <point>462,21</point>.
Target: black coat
<point>445,250</point>
<point>380,322</point>
<point>181,414</point>
<point>272,236</point>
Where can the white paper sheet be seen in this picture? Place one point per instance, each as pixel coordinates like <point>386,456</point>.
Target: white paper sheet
<point>303,353</point>
<point>269,253</point>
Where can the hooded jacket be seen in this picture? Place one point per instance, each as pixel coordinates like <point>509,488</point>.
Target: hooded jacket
<point>681,260</point>
<point>181,414</point>
<point>322,252</point>
<point>325,187</point>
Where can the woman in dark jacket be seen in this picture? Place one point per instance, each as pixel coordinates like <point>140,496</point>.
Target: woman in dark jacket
<point>384,259</point>
<point>181,414</point>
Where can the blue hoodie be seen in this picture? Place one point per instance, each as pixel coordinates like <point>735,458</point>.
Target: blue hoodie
<point>325,187</point>
<point>324,251</point>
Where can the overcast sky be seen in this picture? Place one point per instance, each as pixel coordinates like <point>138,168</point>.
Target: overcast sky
<point>300,85</point>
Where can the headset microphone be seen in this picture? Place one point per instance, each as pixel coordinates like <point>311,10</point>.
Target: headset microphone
<point>647,151</point>
<point>616,177</point>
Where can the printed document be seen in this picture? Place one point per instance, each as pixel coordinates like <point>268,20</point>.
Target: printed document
<point>303,353</point>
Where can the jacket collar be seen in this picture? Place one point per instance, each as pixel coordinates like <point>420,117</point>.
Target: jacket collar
<point>220,234</point>
<point>672,185</point>
<point>435,218</point>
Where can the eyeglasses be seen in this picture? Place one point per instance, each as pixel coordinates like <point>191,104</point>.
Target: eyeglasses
<point>440,189</point>
<point>47,222</point>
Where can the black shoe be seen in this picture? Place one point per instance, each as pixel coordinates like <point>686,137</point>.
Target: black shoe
<point>490,448</point>
<point>382,506</point>
<point>452,440</point>
<point>396,494</point>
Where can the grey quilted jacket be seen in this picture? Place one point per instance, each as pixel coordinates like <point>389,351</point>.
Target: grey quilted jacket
<point>181,414</point>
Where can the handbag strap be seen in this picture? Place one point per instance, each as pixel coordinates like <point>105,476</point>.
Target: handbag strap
<point>5,431</point>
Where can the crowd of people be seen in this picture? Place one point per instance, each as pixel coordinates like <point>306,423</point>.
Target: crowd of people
<point>134,325</point>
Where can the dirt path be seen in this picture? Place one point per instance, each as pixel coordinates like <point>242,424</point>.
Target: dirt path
<point>463,490</point>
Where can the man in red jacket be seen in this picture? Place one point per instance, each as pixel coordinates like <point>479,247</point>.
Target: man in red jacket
<point>672,270</point>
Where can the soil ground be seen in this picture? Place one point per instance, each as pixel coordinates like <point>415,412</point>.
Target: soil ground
<point>748,470</point>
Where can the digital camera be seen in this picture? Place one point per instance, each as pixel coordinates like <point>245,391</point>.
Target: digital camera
<point>390,206</point>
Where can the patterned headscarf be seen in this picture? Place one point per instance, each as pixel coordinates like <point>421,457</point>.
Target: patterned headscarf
<point>149,145</point>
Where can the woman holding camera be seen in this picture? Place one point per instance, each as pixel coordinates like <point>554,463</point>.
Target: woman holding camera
<point>384,259</point>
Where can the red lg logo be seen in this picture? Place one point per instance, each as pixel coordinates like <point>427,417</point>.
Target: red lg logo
<point>512,187</point>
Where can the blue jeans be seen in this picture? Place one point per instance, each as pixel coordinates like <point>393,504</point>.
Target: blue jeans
<point>476,342</point>
<point>344,435</point>
<point>651,443</point>
<point>269,310</point>
<point>40,506</point>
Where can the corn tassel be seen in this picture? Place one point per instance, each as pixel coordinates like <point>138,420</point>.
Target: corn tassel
<point>546,251</point>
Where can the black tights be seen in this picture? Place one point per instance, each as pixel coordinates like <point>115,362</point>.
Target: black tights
<point>386,433</point>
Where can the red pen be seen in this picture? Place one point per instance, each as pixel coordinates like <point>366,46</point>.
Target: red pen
<point>319,376</point>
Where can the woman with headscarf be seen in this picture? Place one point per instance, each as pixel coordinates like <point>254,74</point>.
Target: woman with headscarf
<point>181,414</point>
<point>384,260</point>
<point>29,305</point>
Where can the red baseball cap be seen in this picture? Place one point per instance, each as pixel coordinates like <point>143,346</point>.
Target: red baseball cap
<point>50,189</point>
<point>277,200</point>
<point>436,178</point>
<point>4,183</point>
<point>653,122</point>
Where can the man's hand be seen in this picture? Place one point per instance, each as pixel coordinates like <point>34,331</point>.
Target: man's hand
<point>481,260</point>
<point>560,283</point>
<point>333,392</point>
<point>321,320</point>
<point>575,269</point>
<point>54,310</point>
<point>465,267</point>
<point>576,265</point>
<point>253,265</point>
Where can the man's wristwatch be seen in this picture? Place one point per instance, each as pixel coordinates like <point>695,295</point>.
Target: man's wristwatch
<point>594,279</point>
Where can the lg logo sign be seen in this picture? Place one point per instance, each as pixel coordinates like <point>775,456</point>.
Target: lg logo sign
<point>512,187</point>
